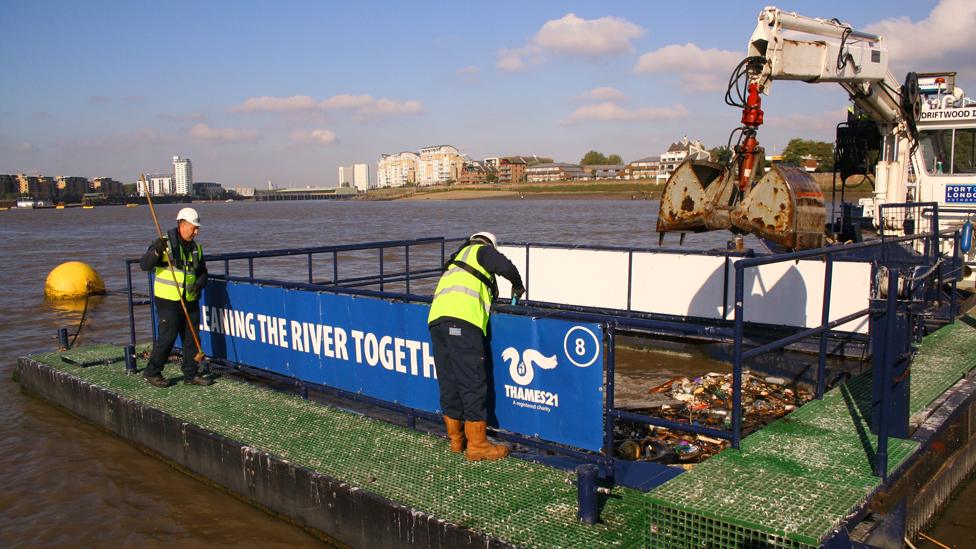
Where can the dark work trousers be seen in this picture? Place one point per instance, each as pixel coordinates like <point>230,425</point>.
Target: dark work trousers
<point>459,353</point>
<point>172,322</point>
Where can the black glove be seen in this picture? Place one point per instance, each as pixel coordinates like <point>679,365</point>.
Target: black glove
<point>518,291</point>
<point>160,245</point>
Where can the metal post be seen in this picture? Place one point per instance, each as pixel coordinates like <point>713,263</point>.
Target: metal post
<point>630,275</point>
<point>737,358</point>
<point>586,493</point>
<point>335,268</point>
<point>411,420</point>
<point>381,264</point>
<point>608,421</point>
<point>889,356</point>
<point>132,313</point>
<point>63,339</point>
<point>310,279</point>
<point>406,252</point>
<point>130,359</point>
<point>824,320</point>
<point>955,277</point>
<point>250,267</point>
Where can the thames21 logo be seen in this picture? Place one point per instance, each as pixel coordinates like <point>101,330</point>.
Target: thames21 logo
<point>522,370</point>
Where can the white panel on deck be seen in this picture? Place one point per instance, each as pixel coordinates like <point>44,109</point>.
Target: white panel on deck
<point>516,254</point>
<point>578,277</point>
<point>791,293</point>
<point>682,285</point>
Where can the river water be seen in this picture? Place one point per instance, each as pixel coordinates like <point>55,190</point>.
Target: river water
<point>64,482</point>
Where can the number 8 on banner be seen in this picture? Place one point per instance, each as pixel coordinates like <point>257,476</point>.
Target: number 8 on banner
<point>581,346</point>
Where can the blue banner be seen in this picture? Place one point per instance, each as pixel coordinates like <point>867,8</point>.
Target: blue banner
<point>960,194</point>
<point>547,374</point>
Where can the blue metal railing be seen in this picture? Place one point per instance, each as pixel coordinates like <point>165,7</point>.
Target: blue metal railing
<point>613,321</point>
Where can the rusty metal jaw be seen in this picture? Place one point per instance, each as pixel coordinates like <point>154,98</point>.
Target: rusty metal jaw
<point>785,206</point>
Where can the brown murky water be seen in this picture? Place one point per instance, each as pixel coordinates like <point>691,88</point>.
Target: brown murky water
<point>64,482</point>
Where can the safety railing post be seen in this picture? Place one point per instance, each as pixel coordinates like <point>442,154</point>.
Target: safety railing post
<point>382,276</point>
<point>824,320</point>
<point>737,358</point>
<point>152,304</point>
<point>956,264</point>
<point>335,268</point>
<point>610,337</point>
<point>889,355</point>
<point>406,252</point>
<point>310,278</point>
<point>132,312</point>
<point>250,267</point>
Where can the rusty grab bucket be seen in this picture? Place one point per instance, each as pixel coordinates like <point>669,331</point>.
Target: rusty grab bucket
<point>785,206</point>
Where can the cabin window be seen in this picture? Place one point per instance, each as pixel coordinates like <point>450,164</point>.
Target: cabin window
<point>949,152</point>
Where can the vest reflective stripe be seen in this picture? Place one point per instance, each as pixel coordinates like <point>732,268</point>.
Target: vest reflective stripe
<point>461,295</point>
<point>166,287</point>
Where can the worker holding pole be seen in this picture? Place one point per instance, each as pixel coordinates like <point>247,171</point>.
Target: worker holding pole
<point>180,275</point>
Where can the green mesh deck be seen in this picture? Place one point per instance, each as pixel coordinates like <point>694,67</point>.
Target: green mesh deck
<point>526,504</point>
<point>789,486</point>
<point>799,478</point>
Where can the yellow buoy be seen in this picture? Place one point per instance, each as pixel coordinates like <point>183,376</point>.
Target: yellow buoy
<point>72,280</point>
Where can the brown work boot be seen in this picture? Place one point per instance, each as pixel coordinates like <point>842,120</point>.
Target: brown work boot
<point>157,381</point>
<point>455,432</point>
<point>198,380</point>
<point>478,446</point>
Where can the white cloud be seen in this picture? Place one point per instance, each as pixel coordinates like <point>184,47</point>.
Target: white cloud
<point>223,135</point>
<point>609,111</point>
<point>317,136</point>
<point>275,104</point>
<point>365,104</point>
<point>575,36</point>
<point>604,93</point>
<point>699,69</point>
<point>470,69</point>
<point>347,101</point>
<point>941,41</point>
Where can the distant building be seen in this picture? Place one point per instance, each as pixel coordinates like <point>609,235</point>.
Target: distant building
<point>511,170</point>
<point>182,176</point>
<point>107,186</point>
<point>208,190</point>
<point>397,170</point>
<point>677,153</point>
<point>809,163</point>
<point>439,164</point>
<point>603,171</point>
<point>475,173</point>
<point>556,171</point>
<point>9,184</point>
<point>71,186</point>
<point>159,185</point>
<point>36,186</point>
<point>643,168</point>
<point>245,191</point>
<point>492,162</point>
<point>356,176</point>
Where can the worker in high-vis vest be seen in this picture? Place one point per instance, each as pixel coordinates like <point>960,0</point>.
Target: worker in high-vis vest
<point>186,279</point>
<point>458,325</point>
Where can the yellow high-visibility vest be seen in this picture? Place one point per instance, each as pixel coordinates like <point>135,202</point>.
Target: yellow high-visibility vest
<point>166,287</point>
<point>460,294</point>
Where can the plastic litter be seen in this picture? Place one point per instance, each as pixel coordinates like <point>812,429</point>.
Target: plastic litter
<point>705,400</point>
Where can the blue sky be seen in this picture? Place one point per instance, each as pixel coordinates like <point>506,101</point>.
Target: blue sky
<point>289,91</point>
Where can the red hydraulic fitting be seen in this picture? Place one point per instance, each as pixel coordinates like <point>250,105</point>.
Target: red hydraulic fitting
<point>752,114</point>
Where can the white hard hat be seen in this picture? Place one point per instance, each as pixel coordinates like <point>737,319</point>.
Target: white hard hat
<point>190,216</point>
<point>487,237</point>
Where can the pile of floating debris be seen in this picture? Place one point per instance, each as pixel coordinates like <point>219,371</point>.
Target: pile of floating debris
<point>705,400</point>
